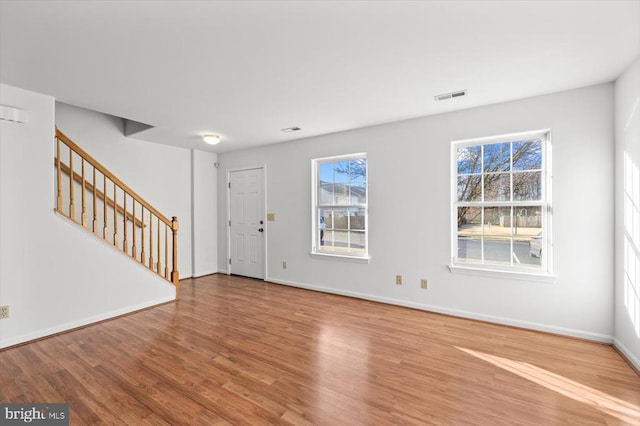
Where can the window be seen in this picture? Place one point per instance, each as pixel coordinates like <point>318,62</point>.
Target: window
<point>501,203</point>
<point>340,206</point>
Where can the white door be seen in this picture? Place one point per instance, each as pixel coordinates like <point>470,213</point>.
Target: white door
<point>247,222</point>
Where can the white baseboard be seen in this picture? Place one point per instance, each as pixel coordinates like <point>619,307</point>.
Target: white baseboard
<point>627,353</point>
<point>223,271</point>
<point>587,335</point>
<point>80,323</point>
<point>204,273</point>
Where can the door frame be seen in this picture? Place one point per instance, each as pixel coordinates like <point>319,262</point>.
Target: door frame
<point>228,227</point>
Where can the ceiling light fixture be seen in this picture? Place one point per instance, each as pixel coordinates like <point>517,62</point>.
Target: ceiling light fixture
<point>291,129</point>
<point>211,139</point>
<point>451,95</point>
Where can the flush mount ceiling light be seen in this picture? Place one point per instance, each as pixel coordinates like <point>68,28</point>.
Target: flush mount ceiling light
<point>211,139</point>
<point>291,129</point>
<point>451,95</point>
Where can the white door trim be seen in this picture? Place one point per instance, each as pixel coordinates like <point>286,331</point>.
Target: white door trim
<point>266,231</point>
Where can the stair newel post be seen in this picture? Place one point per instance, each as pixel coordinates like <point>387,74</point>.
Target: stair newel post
<point>84,189</point>
<point>95,212</point>
<point>174,273</point>
<point>72,210</point>
<point>59,175</point>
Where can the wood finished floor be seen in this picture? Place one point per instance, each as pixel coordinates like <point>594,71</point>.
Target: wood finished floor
<point>239,351</point>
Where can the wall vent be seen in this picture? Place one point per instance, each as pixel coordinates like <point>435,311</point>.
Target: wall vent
<point>451,95</point>
<point>11,114</point>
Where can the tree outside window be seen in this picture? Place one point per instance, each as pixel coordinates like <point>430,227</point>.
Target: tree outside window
<point>501,203</point>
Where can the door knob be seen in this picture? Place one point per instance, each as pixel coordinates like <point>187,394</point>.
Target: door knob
<point>261,230</point>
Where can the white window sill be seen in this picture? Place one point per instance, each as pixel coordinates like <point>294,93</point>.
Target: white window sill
<point>497,273</point>
<point>340,257</point>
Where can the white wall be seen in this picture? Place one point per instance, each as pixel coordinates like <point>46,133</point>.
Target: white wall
<point>160,174</point>
<point>205,213</point>
<point>409,211</point>
<point>53,275</point>
<point>627,228</point>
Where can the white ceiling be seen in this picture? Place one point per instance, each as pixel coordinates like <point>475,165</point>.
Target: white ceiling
<point>246,69</point>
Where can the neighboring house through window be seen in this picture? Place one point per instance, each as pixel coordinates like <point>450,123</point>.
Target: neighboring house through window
<point>340,206</point>
<point>501,203</point>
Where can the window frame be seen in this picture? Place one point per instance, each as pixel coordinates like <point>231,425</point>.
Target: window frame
<point>316,206</point>
<point>545,271</point>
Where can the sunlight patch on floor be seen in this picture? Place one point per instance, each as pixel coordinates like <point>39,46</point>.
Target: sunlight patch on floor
<point>616,407</point>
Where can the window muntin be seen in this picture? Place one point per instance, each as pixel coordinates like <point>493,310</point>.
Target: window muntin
<point>340,206</point>
<point>501,203</point>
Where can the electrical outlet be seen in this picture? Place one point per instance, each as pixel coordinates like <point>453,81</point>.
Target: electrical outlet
<point>399,279</point>
<point>424,284</point>
<point>284,264</point>
<point>4,311</point>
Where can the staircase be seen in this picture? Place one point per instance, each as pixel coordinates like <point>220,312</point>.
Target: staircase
<point>94,198</point>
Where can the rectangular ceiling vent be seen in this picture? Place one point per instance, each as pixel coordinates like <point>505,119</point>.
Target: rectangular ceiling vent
<point>451,95</point>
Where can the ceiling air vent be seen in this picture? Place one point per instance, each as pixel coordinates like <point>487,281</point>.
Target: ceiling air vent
<point>451,95</point>
<point>291,129</point>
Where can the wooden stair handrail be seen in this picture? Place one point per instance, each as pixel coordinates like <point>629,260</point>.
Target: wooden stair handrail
<point>82,153</point>
<point>154,264</point>
<point>89,187</point>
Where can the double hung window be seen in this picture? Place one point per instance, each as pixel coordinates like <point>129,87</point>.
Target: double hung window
<point>501,203</point>
<point>340,206</point>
